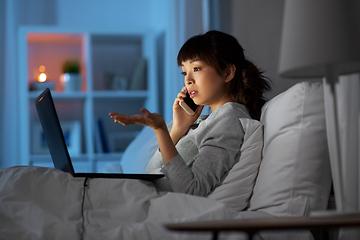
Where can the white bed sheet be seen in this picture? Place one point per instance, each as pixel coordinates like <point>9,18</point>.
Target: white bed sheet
<point>44,203</point>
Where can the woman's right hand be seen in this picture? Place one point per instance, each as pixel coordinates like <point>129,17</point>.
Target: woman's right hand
<point>181,119</point>
<point>152,120</point>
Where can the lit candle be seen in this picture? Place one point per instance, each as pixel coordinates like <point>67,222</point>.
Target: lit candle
<point>42,77</point>
<point>41,83</point>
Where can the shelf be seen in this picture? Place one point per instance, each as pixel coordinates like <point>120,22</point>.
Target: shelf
<point>105,57</point>
<point>55,38</point>
<point>52,50</point>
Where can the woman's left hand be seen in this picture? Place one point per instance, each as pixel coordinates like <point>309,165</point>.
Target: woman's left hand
<point>153,120</point>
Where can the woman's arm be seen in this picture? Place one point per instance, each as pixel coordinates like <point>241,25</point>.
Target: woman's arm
<point>218,140</point>
<point>166,144</point>
<point>167,141</point>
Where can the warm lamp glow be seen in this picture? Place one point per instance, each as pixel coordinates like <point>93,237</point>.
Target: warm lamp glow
<point>41,82</point>
<point>42,68</point>
<point>42,77</point>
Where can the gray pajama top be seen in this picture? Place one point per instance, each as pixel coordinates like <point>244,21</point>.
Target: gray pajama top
<point>205,154</point>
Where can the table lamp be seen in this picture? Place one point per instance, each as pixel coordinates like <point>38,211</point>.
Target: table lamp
<point>319,39</point>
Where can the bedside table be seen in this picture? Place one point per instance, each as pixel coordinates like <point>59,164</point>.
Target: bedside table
<point>251,226</point>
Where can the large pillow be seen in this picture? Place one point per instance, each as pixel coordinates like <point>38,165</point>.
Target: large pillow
<point>238,185</point>
<point>139,152</point>
<point>294,176</point>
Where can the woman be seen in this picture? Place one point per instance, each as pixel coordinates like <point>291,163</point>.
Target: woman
<point>216,74</point>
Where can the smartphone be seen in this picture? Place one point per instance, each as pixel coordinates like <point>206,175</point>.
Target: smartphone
<point>188,105</point>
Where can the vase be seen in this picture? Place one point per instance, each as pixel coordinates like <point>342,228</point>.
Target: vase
<point>71,82</point>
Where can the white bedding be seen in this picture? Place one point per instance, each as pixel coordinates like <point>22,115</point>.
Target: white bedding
<point>44,203</point>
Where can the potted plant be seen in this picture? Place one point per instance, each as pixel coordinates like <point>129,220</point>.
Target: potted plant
<point>71,77</point>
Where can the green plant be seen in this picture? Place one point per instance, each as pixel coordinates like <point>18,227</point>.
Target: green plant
<point>71,66</point>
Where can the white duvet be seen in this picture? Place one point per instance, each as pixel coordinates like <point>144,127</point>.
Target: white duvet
<point>44,203</point>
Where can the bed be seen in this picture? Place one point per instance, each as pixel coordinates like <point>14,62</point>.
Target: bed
<point>283,171</point>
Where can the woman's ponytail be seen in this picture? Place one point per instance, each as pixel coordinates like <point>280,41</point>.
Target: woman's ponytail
<point>248,88</point>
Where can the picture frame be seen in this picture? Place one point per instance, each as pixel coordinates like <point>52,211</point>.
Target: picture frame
<point>72,135</point>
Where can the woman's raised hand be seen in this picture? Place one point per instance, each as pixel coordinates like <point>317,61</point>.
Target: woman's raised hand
<point>153,120</point>
<point>157,123</point>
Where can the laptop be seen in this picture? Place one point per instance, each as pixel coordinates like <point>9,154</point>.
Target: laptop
<point>57,146</point>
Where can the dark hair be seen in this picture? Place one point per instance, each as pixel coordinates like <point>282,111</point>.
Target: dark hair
<point>220,50</point>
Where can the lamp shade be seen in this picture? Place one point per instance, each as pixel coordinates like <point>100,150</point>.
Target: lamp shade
<point>316,35</point>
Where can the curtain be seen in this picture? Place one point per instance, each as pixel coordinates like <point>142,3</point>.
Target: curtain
<point>15,13</point>
<point>9,108</point>
<point>2,60</point>
<point>189,18</point>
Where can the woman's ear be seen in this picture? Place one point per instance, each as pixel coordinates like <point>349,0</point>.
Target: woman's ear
<point>230,72</point>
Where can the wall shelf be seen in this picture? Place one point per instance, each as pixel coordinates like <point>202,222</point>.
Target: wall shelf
<point>104,56</point>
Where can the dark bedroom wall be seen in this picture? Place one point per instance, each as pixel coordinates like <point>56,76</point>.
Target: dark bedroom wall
<point>226,16</point>
<point>257,24</point>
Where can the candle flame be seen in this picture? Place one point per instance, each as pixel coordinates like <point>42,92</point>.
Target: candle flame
<point>42,68</point>
<point>42,77</point>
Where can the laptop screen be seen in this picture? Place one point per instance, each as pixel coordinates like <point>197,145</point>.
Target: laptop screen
<point>53,133</point>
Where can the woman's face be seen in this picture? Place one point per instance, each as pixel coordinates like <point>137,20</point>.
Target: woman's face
<point>205,85</point>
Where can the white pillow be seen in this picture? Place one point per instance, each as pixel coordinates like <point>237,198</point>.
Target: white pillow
<point>294,176</point>
<point>139,152</point>
<point>238,185</point>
